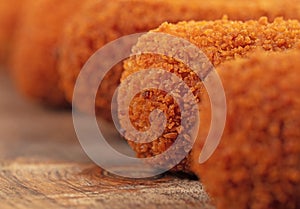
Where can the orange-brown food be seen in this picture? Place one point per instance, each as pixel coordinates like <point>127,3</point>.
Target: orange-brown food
<point>36,51</point>
<point>220,41</point>
<point>257,164</point>
<point>9,17</point>
<point>105,21</point>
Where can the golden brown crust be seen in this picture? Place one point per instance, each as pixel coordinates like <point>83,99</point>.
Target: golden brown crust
<point>105,21</point>
<point>220,40</point>
<point>257,164</point>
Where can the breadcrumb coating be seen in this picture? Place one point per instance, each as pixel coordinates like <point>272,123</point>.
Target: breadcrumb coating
<point>257,164</point>
<point>36,51</point>
<point>220,41</point>
<point>105,21</point>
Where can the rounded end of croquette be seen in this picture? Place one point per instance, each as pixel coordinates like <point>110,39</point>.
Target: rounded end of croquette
<point>220,41</point>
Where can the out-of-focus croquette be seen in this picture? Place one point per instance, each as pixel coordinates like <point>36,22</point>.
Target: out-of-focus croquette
<point>36,51</point>
<point>220,41</point>
<point>105,21</point>
<point>10,12</point>
<point>257,164</point>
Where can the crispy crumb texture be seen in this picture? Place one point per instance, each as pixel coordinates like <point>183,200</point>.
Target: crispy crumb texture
<point>220,41</point>
<point>104,21</point>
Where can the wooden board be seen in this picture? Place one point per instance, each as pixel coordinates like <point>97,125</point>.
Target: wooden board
<point>43,166</point>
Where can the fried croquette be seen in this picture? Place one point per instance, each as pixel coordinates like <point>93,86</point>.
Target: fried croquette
<point>257,163</point>
<point>9,16</point>
<point>105,21</point>
<point>220,41</point>
<point>34,59</point>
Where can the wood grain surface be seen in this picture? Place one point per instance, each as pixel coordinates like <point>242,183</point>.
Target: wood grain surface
<point>43,166</point>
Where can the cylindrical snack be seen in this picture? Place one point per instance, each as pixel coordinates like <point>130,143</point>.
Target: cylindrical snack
<point>36,51</point>
<point>220,41</point>
<point>10,12</point>
<point>105,21</point>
